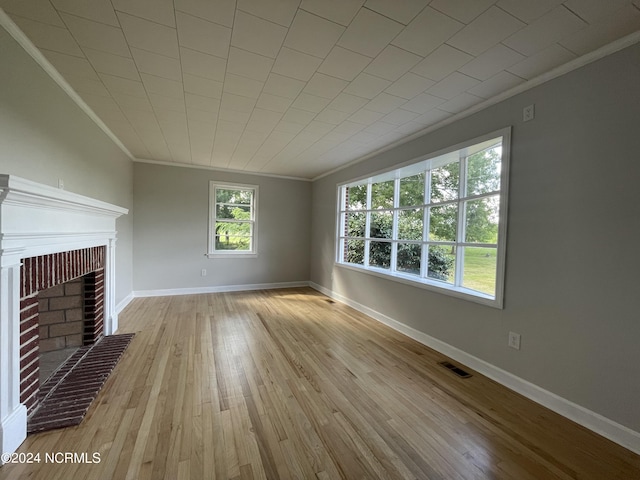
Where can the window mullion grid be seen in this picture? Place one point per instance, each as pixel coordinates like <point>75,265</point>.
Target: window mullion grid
<point>394,230</point>
<point>424,259</point>
<point>460,234</point>
<point>367,227</point>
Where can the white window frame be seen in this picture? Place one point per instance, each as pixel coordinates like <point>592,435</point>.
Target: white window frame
<point>456,289</point>
<point>211,250</point>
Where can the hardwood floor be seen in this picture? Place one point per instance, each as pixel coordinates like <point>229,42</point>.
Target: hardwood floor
<point>287,384</point>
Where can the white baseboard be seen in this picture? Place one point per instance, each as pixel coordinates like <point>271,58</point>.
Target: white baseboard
<point>226,288</point>
<point>615,432</point>
<point>13,430</point>
<point>123,304</point>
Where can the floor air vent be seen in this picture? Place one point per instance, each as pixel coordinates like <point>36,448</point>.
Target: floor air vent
<point>457,370</point>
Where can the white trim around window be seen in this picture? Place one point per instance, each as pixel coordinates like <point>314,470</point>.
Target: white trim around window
<point>233,220</point>
<point>438,222</point>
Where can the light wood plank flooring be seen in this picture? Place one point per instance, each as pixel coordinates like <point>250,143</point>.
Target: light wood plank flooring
<point>288,384</point>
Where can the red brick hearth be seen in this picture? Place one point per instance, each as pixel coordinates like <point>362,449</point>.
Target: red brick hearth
<point>46,271</point>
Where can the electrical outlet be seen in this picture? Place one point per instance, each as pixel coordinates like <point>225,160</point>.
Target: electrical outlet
<point>528,113</point>
<point>514,340</point>
<point>203,272</point>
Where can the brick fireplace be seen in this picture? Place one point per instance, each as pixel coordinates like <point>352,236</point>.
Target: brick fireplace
<point>61,305</point>
<point>48,237</point>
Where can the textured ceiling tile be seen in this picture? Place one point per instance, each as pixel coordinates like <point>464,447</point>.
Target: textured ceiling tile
<point>312,34</point>
<point>202,86</point>
<point>127,101</point>
<point>347,103</point>
<point>402,12</point>
<point>385,103</point>
<point>344,64</point>
<point>202,103</point>
<point>392,63</point>
<point>367,86</point>
<point>123,85</point>
<point>263,121</point>
<point>162,86</point>
<point>71,65</point>
<point>273,102</point>
<point>167,103</point>
<point>497,84</point>
<point>432,117</point>
<point>96,10</point>
<point>148,35</point>
<point>104,62</point>
<point>247,87</point>
<point>339,11</point>
<point>462,10</point>
<point>277,11</point>
<point>409,85</point>
<point>203,36</point>
<point>237,103</point>
<point>609,28</point>
<point>84,85</point>
<point>334,117</point>
<point>310,103</point>
<point>158,11</point>
<point>441,62</point>
<point>283,86</point>
<point>593,11</point>
<point>219,11</point>
<point>423,103</point>
<point>491,62</point>
<point>452,86</point>
<point>545,31</point>
<point>47,36</point>
<point>202,64</point>
<point>460,103</point>
<point>369,33</point>
<point>296,115</point>
<point>247,64</point>
<point>366,117</point>
<point>526,10</point>
<point>541,62</point>
<point>158,65</point>
<point>427,32</point>
<point>325,86</point>
<point>484,32</point>
<point>257,35</point>
<point>399,117</point>
<point>291,63</point>
<point>38,10</point>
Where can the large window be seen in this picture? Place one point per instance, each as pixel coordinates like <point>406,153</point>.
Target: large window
<point>439,222</point>
<point>232,222</point>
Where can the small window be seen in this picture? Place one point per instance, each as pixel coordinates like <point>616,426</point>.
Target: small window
<point>439,222</point>
<point>232,219</point>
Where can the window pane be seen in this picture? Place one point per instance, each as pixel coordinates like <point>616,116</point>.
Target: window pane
<point>441,263</point>
<point>482,217</point>
<point>355,252</point>
<point>443,223</point>
<point>356,223</point>
<point>412,190</point>
<point>410,224</point>
<point>409,256</point>
<point>232,211</point>
<point>382,195</point>
<point>233,236</point>
<point>380,254</point>
<point>483,171</point>
<point>445,182</point>
<point>480,269</point>
<point>233,196</point>
<point>381,225</point>
<point>357,197</point>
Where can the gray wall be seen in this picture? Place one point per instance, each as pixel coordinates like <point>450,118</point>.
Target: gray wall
<point>172,205</point>
<point>45,136</point>
<point>573,259</point>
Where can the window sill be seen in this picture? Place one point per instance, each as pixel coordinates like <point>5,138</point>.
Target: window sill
<point>232,255</point>
<point>432,285</point>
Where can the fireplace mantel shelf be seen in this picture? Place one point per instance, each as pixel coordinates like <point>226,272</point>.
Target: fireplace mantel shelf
<point>38,220</point>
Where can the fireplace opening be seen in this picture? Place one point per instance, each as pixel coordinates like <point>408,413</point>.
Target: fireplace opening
<point>62,309</point>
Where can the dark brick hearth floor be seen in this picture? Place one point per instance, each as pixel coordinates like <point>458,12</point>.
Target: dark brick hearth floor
<point>67,394</point>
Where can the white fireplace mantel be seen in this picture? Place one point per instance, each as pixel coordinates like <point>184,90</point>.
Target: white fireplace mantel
<point>35,220</point>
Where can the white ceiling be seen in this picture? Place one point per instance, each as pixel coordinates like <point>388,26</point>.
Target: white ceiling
<point>301,87</point>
